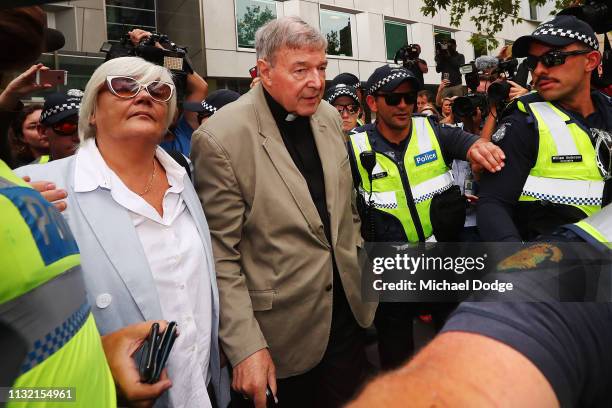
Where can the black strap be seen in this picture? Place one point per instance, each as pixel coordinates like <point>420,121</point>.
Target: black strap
<point>180,159</point>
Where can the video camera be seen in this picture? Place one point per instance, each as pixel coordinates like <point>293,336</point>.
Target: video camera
<point>465,106</point>
<point>408,55</point>
<point>441,46</point>
<point>500,91</point>
<point>172,56</point>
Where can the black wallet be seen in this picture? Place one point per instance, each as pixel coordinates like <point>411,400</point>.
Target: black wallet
<point>155,352</point>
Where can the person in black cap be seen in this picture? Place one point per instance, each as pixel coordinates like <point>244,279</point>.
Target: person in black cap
<point>344,98</point>
<point>408,154</point>
<point>349,79</point>
<point>215,101</point>
<point>59,123</point>
<point>557,139</point>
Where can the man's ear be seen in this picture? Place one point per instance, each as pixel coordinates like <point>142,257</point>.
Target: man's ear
<point>371,101</point>
<point>264,69</point>
<point>593,61</point>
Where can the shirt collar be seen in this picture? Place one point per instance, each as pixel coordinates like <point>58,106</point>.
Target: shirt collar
<point>91,171</point>
<point>280,114</point>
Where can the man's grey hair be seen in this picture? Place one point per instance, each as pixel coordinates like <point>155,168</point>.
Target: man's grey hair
<point>291,32</point>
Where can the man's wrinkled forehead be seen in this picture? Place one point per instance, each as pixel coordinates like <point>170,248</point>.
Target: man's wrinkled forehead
<point>298,55</point>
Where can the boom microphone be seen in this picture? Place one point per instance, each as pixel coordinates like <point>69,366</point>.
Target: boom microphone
<point>485,63</point>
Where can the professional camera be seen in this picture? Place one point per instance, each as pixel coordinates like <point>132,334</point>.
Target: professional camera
<point>408,55</point>
<point>171,56</point>
<point>465,106</point>
<point>441,46</point>
<point>500,91</point>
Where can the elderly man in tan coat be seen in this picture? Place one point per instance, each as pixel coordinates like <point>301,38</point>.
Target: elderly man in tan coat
<point>273,176</point>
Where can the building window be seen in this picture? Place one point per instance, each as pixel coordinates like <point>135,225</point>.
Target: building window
<point>441,36</point>
<point>533,11</point>
<point>125,15</point>
<point>250,15</point>
<point>396,36</point>
<point>337,28</point>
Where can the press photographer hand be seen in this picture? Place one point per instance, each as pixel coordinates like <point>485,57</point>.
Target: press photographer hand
<point>20,87</point>
<point>137,35</point>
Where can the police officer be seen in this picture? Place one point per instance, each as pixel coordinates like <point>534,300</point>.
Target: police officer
<point>43,300</point>
<point>399,164</point>
<point>346,101</point>
<point>557,139</point>
<point>59,123</point>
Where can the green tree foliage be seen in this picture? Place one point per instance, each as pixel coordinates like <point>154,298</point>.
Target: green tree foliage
<point>489,16</point>
<point>255,17</point>
<point>333,43</point>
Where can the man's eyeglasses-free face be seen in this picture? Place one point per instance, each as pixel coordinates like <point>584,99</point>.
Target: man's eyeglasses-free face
<point>393,99</point>
<point>551,58</point>
<point>128,87</point>
<point>350,109</point>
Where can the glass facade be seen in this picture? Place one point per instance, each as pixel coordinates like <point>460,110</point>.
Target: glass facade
<point>336,27</point>
<point>125,15</point>
<point>396,35</point>
<point>250,15</point>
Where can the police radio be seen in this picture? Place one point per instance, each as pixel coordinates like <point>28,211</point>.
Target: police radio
<point>368,161</point>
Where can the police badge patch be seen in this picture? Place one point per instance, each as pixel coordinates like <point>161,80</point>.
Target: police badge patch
<point>500,133</point>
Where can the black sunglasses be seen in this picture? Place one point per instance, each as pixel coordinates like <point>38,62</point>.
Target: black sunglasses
<point>394,99</point>
<point>552,58</point>
<point>351,109</point>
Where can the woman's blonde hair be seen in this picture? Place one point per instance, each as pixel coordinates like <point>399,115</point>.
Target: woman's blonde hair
<point>135,67</point>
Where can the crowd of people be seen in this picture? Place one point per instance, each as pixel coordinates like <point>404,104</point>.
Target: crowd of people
<point>243,218</point>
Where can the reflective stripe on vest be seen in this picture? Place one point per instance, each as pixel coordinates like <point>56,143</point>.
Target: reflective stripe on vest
<point>599,226</point>
<point>45,317</point>
<point>570,181</point>
<point>556,126</point>
<point>573,192</point>
<point>426,178</point>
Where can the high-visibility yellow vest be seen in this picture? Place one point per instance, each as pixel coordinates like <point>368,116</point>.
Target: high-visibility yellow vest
<point>412,182</point>
<point>43,298</point>
<point>566,169</point>
<point>598,227</point>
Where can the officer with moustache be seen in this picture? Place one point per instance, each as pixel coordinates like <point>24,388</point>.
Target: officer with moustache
<point>557,140</point>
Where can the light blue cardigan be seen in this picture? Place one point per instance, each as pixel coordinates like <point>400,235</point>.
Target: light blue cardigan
<point>114,261</point>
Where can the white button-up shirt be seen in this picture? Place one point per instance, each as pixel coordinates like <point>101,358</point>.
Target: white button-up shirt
<point>176,258</point>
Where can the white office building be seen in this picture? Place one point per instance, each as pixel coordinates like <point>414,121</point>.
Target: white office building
<point>363,34</point>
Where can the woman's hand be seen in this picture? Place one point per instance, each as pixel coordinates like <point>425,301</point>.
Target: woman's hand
<point>119,347</point>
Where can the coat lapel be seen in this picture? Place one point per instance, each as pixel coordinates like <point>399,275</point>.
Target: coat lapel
<point>330,170</point>
<point>114,230</point>
<point>283,163</point>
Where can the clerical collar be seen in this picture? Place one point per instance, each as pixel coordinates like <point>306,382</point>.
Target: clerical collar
<point>280,114</point>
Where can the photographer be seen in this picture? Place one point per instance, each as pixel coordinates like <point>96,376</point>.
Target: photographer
<point>185,122</point>
<point>408,56</point>
<point>448,61</point>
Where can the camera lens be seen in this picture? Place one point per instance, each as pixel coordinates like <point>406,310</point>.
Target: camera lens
<point>499,91</point>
